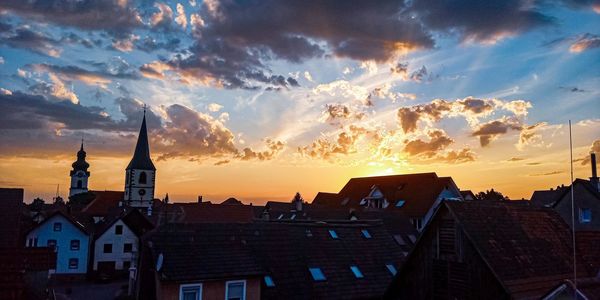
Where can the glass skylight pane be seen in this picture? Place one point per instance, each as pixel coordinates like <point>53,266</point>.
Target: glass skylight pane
<point>366,233</point>
<point>400,203</point>
<point>269,281</point>
<point>392,269</point>
<point>317,274</point>
<point>333,234</point>
<point>357,272</point>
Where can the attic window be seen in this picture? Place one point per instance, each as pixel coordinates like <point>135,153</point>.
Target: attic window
<point>333,234</point>
<point>119,229</point>
<point>269,281</point>
<point>317,274</point>
<point>308,233</point>
<point>293,216</point>
<point>400,203</point>
<point>363,202</point>
<point>357,272</point>
<point>585,215</point>
<point>392,269</point>
<point>366,233</point>
<point>280,216</point>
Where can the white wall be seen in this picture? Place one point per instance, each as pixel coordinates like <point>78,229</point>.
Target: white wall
<point>118,242</point>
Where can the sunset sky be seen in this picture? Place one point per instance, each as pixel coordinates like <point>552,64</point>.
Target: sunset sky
<point>260,99</point>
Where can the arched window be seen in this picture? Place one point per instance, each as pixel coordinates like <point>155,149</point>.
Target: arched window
<point>79,184</point>
<point>143,178</point>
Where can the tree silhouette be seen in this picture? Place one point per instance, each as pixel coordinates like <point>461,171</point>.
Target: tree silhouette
<point>491,195</point>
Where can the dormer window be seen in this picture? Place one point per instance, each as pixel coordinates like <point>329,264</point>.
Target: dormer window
<point>366,233</point>
<point>392,269</point>
<point>357,272</point>
<point>317,274</point>
<point>269,281</point>
<point>333,234</point>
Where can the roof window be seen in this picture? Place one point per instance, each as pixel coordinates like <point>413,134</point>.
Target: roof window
<point>333,234</point>
<point>317,274</point>
<point>366,233</point>
<point>269,281</point>
<point>400,203</point>
<point>392,269</point>
<point>357,272</point>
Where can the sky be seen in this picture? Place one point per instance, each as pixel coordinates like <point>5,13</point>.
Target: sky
<point>260,99</point>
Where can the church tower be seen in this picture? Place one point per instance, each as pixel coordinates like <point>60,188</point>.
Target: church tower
<point>79,174</point>
<point>140,173</point>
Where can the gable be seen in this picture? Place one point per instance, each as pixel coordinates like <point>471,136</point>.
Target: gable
<point>48,224</point>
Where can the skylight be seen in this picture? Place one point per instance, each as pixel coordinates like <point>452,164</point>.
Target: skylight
<point>333,234</point>
<point>293,216</point>
<point>366,233</point>
<point>392,269</point>
<point>280,216</point>
<point>269,281</point>
<point>317,274</point>
<point>357,272</point>
<point>400,203</point>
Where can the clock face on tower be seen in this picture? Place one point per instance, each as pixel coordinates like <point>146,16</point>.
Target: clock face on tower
<point>142,192</point>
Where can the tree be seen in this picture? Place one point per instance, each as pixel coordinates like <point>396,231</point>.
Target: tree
<point>491,195</point>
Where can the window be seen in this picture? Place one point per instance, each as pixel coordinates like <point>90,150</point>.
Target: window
<point>357,272</point>
<point>143,178</point>
<point>35,240</point>
<point>119,229</point>
<point>74,244</point>
<point>127,248</point>
<point>293,216</point>
<point>333,234</point>
<point>235,290</point>
<point>269,281</point>
<point>317,274</point>
<point>126,265</point>
<point>107,248</point>
<point>398,238</point>
<point>392,269</point>
<point>57,226</point>
<point>73,263</point>
<point>412,238</point>
<point>400,203</point>
<point>585,215</point>
<point>52,243</point>
<point>308,233</point>
<point>280,216</point>
<point>190,292</point>
<point>79,184</point>
<point>366,233</point>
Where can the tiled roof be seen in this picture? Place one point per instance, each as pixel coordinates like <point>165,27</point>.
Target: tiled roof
<point>232,201</point>
<point>10,214</point>
<point>283,251</point>
<point>132,217</point>
<point>103,202</point>
<point>588,247</point>
<point>203,213</point>
<point>527,248</point>
<point>39,258</point>
<point>419,191</point>
<point>81,221</point>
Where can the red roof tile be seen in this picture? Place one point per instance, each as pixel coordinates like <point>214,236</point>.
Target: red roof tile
<point>213,213</point>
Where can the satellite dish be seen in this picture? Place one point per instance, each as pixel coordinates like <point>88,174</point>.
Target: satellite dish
<point>159,262</point>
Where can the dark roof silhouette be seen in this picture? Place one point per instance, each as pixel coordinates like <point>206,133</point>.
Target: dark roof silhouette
<point>283,251</point>
<point>141,156</point>
<point>103,202</point>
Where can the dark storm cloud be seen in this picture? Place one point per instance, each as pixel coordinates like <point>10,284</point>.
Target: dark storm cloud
<point>25,111</point>
<point>480,21</point>
<point>115,68</point>
<point>31,40</point>
<point>111,15</point>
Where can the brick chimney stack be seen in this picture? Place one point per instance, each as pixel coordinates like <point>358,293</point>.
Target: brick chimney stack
<point>199,199</point>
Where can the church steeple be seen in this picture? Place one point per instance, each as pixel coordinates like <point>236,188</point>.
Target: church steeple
<point>140,173</point>
<point>141,155</point>
<point>79,174</point>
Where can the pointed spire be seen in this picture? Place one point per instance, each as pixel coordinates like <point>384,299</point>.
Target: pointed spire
<point>141,156</point>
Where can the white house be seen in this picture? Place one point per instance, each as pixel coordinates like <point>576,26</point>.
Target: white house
<point>69,237</point>
<point>117,240</point>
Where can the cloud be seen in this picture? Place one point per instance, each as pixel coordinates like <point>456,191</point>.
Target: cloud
<point>516,159</point>
<point>57,89</point>
<point>274,147</point>
<point>489,131</point>
<point>163,18</point>
<point>34,41</point>
<point>529,136</point>
<point>547,173</point>
<point>214,107</point>
<point>338,112</point>
<point>480,21</point>
<point>438,140</point>
<point>595,147</point>
<point>115,68</point>
<point>585,42</point>
<point>343,144</point>
<point>181,18</point>
<point>125,43</point>
<point>471,109</point>
<point>573,89</point>
<point>112,16</point>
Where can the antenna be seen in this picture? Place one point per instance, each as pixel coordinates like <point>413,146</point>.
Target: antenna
<point>573,213</point>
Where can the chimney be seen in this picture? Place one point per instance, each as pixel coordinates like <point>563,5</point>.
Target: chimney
<point>594,179</point>
<point>200,199</point>
<point>298,201</point>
